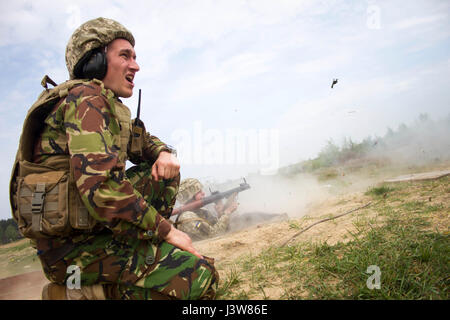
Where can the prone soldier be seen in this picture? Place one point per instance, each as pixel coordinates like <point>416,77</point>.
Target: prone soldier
<point>202,223</point>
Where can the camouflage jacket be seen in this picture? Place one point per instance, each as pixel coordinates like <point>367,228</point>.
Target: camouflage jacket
<point>85,125</point>
<point>200,224</point>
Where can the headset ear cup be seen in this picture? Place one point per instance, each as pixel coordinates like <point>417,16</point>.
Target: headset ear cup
<point>96,66</point>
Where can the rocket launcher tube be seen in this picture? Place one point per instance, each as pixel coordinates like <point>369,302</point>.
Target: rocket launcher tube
<point>215,196</point>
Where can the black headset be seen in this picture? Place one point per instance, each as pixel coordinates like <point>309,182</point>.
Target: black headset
<point>92,65</point>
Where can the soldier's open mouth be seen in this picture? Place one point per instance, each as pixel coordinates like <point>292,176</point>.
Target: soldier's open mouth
<point>129,79</point>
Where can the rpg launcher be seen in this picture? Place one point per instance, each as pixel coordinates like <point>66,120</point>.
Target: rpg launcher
<point>215,196</point>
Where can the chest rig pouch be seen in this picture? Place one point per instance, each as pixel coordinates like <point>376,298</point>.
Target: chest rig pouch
<point>44,199</point>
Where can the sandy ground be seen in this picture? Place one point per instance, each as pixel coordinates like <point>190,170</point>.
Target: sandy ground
<point>253,240</point>
<point>227,248</point>
<point>27,286</point>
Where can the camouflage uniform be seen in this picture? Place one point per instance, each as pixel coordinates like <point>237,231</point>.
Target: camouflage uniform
<point>199,224</point>
<point>125,250</point>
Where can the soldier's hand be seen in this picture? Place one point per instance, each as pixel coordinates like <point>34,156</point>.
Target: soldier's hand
<point>181,240</point>
<point>231,208</point>
<point>219,207</point>
<point>231,204</point>
<point>166,166</point>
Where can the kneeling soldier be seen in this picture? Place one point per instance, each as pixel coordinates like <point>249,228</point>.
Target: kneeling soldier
<point>70,192</point>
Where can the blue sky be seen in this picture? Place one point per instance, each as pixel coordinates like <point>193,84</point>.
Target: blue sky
<point>256,70</point>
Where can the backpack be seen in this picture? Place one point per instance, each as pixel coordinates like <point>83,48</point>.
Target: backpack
<point>44,199</point>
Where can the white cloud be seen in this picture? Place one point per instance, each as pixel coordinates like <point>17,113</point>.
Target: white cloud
<point>220,74</point>
<point>74,19</point>
<point>419,21</point>
<point>324,64</point>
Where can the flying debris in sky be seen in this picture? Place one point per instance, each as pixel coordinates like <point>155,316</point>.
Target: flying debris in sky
<point>334,82</point>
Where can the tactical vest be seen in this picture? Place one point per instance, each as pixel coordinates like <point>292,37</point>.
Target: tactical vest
<point>45,201</point>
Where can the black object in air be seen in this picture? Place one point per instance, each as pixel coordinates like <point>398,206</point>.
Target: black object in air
<point>334,82</point>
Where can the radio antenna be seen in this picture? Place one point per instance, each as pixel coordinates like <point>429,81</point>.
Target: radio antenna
<point>138,109</point>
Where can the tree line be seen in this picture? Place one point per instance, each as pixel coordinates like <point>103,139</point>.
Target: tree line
<point>425,140</point>
<point>9,231</point>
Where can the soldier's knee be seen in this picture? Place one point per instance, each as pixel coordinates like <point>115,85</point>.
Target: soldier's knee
<point>166,183</point>
<point>175,181</point>
<point>212,283</point>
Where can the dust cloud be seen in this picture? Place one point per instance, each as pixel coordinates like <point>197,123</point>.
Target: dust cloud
<point>421,146</point>
<point>279,194</point>
<point>424,142</point>
<point>274,198</point>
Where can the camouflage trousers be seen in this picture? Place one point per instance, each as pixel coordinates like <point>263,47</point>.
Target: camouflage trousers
<point>130,268</point>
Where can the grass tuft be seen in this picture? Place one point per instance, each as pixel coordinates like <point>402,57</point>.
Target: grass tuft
<point>379,191</point>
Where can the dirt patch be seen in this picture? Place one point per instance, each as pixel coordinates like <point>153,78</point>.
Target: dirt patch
<point>252,241</point>
<point>433,175</point>
<point>26,286</point>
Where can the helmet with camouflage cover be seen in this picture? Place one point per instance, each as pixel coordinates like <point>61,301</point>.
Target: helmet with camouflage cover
<point>93,34</point>
<point>188,188</point>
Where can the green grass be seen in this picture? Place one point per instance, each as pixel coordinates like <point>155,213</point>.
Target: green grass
<point>17,258</point>
<point>379,191</point>
<point>414,265</point>
<point>19,247</point>
<point>422,207</point>
<point>327,174</point>
<point>412,255</point>
<point>232,280</point>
